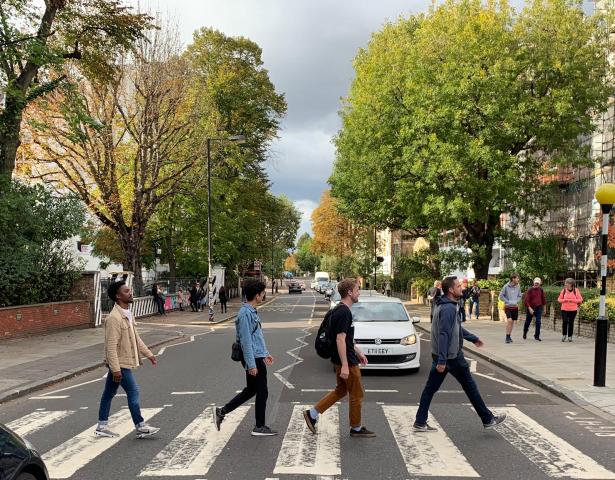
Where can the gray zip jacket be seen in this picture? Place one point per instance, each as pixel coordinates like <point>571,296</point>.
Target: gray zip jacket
<point>447,334</point>
<point>511,295</point>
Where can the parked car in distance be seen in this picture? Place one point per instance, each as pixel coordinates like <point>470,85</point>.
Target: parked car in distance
<point>19,460</point>
<point>294,286</point>
<point>386,334</point>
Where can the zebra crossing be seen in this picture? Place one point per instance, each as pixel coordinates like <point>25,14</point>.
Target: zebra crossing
<point>195,449</point>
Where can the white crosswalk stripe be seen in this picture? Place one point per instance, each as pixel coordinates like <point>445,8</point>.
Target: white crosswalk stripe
<point>304,453</point>
<point>426,453</point>
<point>553,455</point>
<point>65,459</point>
<point>196,448</point>
<point>35,421</point>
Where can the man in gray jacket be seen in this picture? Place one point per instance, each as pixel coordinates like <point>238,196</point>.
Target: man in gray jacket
<point>447,336</point>
<point>511,296</point>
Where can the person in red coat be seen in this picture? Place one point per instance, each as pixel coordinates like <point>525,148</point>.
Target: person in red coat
<point>535,301</point>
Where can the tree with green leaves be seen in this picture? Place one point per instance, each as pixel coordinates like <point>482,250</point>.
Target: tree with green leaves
<point>39,43</point>
<point>454,115</point>
<point>307,260</point>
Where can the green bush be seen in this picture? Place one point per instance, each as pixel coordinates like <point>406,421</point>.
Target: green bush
<point>422,285</point>
<point>36,264</point>
<point>589,309</point>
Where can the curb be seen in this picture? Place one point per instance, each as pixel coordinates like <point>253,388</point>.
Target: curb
<point>34,386</point>
<point>545,383</point>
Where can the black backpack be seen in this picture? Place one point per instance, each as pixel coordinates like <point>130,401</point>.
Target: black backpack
<point>324,343</point>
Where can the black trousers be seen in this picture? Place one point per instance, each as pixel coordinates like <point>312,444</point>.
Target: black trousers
<point>254,386</point>
<point>223,305</point>
<point>568,323</point>
<point>194,306</point>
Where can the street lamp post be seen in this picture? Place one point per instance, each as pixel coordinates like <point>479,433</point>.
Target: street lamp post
<point>605,194</point>
<point>236,139</point>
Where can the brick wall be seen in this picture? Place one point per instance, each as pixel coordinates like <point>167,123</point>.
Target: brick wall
<point>43,318</point>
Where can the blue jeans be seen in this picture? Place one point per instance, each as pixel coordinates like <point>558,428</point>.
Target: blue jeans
<point>459,369</point>
<point>528,321</point>
<point>131,388</point>
<point>472,303</point>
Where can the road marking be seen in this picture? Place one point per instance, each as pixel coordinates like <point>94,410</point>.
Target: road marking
<point>515,392</point>
<point>196,448</point>
<point>283,380</point>
<point>514,385</point>
<point>473,366</point>
<point>552,454</point>
<point>74,386</point>
<point>304,453</point>
<point>65,459</point>
<point>50,397</point>
<point>428,454</point>
<point>449,391</point>
<point>316,389</point>
<point>381,391</point>
<point>198,392</point>
<point>35,421</point>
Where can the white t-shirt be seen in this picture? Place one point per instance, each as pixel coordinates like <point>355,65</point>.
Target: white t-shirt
<point>128,314</point>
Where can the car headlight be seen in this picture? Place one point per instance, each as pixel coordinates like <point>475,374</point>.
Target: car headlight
<point>409,340</point>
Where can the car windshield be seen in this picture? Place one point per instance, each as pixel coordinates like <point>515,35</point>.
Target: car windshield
<point>379,312</point>
<point>322,279</point>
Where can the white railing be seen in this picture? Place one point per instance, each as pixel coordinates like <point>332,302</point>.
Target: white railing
<point>145,306</point>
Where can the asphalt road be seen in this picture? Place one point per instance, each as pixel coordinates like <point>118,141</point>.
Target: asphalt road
<point>544,437</point>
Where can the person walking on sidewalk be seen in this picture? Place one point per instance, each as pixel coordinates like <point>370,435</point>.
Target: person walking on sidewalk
<point>158,299</point>
<point>194,297</point>
<point>180,299</point>
<point>570,298</point>
<point>123,350</point>
<point>465,294</point>
<point>256,359</point>
<point>346,357</point>
<point>474,299</point>
<point>222,298</point>
<point>433,294</point>
<point>535,301</point>
<point>447,336</point>
<point>511,295</point>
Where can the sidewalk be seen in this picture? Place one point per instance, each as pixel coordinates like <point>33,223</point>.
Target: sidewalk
<point>565,369</point>
<point>31,363</point>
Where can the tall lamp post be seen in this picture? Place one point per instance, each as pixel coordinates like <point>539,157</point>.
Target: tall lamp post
<point>235,139</point>
<point>605,194</point>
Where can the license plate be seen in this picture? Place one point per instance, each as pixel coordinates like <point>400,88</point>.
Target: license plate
<point>377,351</point>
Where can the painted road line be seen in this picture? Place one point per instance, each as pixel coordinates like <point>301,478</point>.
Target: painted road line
<point>316,389</point>
<point>198,392</point>
<point>382,391</point>
<point>50,397</point>
<point>74,386</point>
<point>426,454</point>
<point>35,421</point>
<point>286,383</point>
<point>514,385</point>
<point>65,459</point>
<point>196,448</point>
<point>552,454</point>
<point>516,392</point>
<point>303,453</point>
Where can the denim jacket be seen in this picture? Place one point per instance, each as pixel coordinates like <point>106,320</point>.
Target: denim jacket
<point>252,344</point>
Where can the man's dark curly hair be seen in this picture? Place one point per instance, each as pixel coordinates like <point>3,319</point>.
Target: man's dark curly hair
<point>114,288</point>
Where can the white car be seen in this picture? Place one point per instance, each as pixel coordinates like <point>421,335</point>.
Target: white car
<point>385,333</point>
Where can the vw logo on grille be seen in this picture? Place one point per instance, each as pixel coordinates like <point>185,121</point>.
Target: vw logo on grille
<point>377,341</point>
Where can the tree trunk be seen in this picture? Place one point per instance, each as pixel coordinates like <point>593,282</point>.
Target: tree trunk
<point>481,237</point>
<point>131,248</point>
<point>10,124</point>
<point>434,250</point>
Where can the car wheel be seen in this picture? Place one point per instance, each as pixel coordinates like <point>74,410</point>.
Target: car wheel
<point>25,476</point>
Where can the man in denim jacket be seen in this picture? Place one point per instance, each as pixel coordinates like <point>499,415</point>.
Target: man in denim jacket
<point>256,359</point>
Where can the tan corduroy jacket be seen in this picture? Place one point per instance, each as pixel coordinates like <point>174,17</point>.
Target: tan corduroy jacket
<point>123,346</point>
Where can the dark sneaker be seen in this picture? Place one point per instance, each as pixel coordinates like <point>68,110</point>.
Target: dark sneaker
<point>218,417</point>
<point>524,335</point>
<point>537,339</point>
<point>508,340</point>
<point>309,421</point>
<point>424,428</point>
<point>364,432</point>
<point>495,421</point>
<point>263,431</point>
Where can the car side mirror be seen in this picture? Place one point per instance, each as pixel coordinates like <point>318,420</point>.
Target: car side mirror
<point>416,319</point>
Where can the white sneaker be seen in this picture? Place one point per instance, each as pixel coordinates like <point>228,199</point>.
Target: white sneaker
<point>105,432</point>
<point>146,430</point>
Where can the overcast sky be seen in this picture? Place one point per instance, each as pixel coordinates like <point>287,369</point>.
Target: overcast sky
<point>308,48</point>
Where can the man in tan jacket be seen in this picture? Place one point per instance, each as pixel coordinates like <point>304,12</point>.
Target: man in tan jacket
<point>123,350</point>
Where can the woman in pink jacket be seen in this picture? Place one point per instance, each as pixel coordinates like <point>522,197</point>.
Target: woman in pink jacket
<point>570,299</point>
